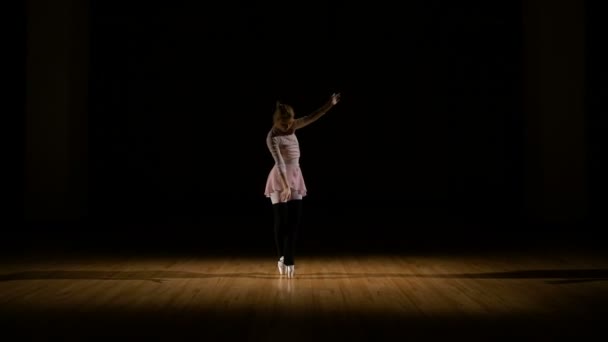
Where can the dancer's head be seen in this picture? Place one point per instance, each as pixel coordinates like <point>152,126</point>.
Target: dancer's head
<point>283,116</point>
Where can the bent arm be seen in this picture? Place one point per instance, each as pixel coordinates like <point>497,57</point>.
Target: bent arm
<point>273,146</point>
<point>314,116</point>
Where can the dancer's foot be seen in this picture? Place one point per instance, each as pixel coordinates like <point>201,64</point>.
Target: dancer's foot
<point>281,266</point>
<point>291,271</point>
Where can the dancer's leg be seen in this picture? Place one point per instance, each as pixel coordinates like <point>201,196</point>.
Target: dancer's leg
<point>294,208</point>
<point>280,213</point>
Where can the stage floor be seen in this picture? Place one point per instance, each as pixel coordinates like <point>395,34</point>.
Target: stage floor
<point>548,294</point>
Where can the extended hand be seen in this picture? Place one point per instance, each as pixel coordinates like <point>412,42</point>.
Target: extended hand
<point>335,98</point>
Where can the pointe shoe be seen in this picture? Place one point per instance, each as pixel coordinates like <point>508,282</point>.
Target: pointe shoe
<point>291,271</point>
<point>281,267</point>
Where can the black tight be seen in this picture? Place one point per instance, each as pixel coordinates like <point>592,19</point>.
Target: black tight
<point>287,220</point>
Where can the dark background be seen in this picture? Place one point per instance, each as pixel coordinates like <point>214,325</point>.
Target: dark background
<point>145,122</point>
<point>183,97</point>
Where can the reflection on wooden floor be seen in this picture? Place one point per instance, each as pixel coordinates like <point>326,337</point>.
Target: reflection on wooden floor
<point>354,297</point>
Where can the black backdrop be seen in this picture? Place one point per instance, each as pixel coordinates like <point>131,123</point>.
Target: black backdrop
<point>182,93</point>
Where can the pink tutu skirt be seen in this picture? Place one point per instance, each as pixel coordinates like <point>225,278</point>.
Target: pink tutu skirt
<point>294,178</point>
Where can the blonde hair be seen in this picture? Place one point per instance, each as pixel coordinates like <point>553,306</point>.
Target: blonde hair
<point>282,113</point>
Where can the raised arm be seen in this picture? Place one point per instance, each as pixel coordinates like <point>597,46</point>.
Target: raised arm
<point>314,116</point>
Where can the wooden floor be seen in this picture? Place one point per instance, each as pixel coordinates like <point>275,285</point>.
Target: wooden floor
<point>536,296</point>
